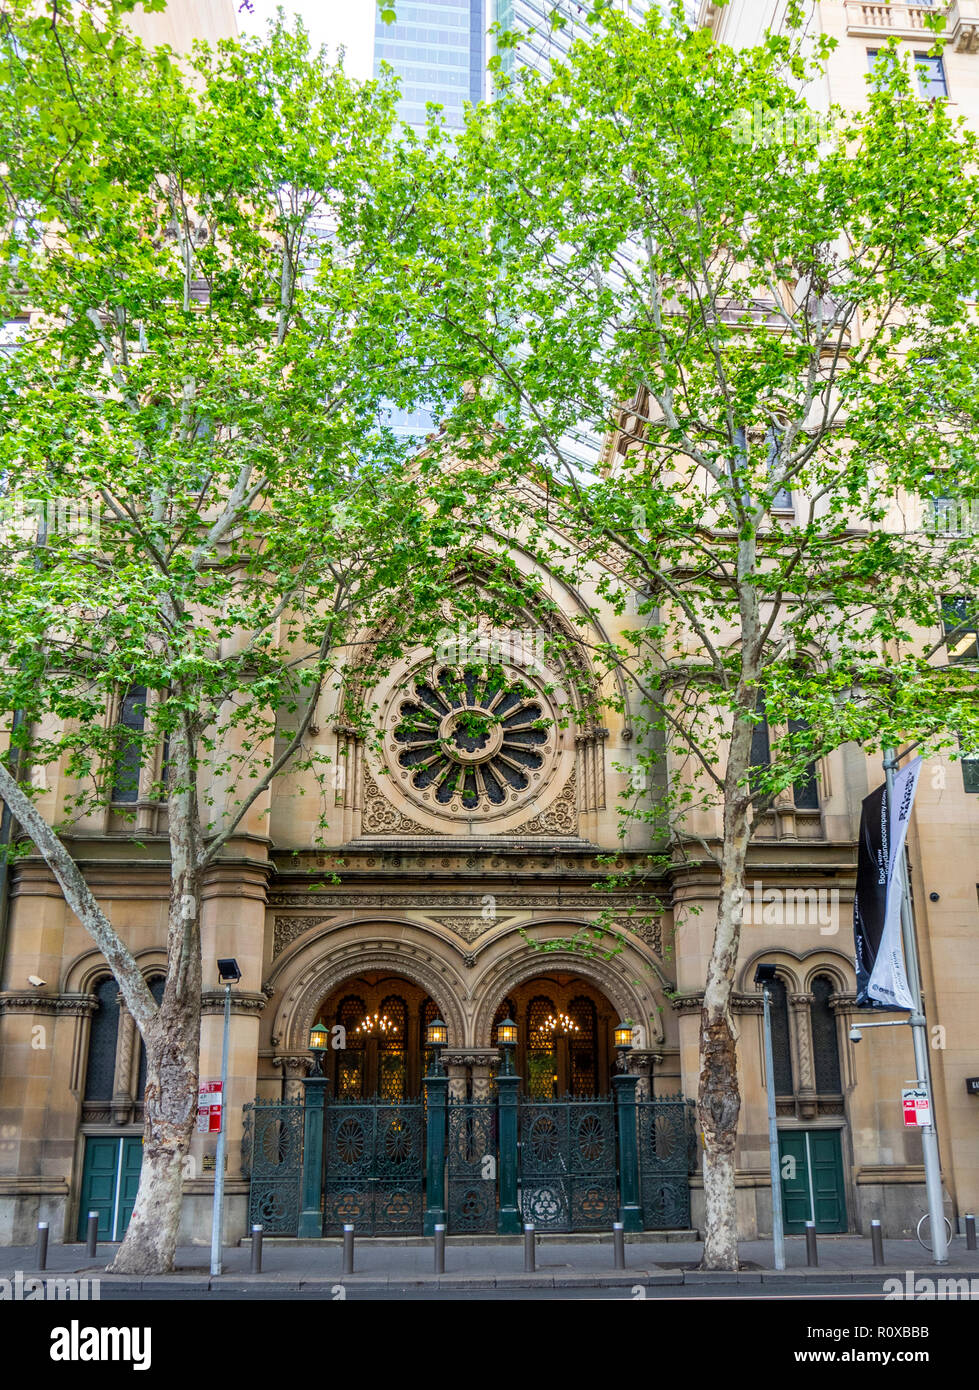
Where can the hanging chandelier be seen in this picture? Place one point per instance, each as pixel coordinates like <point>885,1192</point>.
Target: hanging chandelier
<point>559,1023</point>
<point>376,1025</point>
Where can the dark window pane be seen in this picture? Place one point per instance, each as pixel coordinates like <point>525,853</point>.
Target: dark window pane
<point>101,1067</point>
<point>781,1053</point>
<point>961,616</point>
<point>132,716</point>
<point>761,752</point>
<point>806,790</point>
<point>970,774</point>
<point>931,81</point>
<point>825,1038</point>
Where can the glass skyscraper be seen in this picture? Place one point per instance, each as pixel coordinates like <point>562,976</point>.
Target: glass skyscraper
<point>438,49</point>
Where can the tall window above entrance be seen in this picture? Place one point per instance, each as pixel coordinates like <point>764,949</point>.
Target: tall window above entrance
<point>378,1037</point>
<point>564,1036</point>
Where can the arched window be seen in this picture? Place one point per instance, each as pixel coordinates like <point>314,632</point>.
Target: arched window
<point>391,1049</point>
<point>581,1046</point>
<point>781,1052</point>
<point>540,1049</point>
<point>825,1038</point>
<point>101,1066</point>
<point>350,1058</point>
<point>157,986</point>
<point>132,717</point>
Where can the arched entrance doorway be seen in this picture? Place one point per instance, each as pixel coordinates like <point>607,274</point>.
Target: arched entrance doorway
<point>564,1036</point>
<point>378,1022</point>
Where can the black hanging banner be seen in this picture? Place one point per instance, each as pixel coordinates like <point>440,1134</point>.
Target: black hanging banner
<point>870,899</point>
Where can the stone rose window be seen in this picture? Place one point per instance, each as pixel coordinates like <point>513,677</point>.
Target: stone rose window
<point>473,739</point>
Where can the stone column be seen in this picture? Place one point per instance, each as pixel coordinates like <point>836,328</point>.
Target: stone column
<point>124,1083</point>
<point>294,1066</point>
<point>805,1086</point>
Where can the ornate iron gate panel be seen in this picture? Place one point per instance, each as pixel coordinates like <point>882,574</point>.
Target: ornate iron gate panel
<point>375,1165</point>
<point>472,1164</point>
<point>569,1180</point>
<point>272,1156</point>
<point>667,1155</point>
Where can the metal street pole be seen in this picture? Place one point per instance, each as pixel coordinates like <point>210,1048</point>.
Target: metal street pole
<point>778,1230</point>
<point>919,1037</point>
<point>217,1220</point>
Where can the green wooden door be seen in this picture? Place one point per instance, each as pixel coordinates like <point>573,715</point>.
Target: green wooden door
<point>811,1162</point>
<point>129,1170</point>
<point>110,1178</point>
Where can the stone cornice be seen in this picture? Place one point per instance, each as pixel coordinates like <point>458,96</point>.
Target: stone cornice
<point>470,1057</point>
<point>693,1002</point>
<point>242,1002</point>
<point>29,1002</point>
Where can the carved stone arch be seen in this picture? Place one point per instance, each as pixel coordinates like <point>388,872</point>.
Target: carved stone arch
<point>316,928</point>
<point>629,995</point>
<point>835,966</point>
<point>787,962</point>
<point>355,693</point>
<point>316,975</point>
<point>83,972</point>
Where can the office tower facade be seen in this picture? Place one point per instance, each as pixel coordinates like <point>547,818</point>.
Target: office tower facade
<point>438,50</point>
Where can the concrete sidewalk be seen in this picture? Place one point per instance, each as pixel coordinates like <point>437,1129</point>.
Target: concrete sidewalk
<point>498,1262</point>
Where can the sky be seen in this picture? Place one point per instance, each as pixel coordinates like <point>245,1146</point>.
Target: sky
<point>349,23</point>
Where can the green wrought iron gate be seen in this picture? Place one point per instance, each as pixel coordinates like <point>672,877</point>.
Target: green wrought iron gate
<point>375,1164</point>
<point>667,1156</point>
<point>472,1165</point>
<point>568,1173</point>
<point>373,1171</point>
<point>272,1150</point>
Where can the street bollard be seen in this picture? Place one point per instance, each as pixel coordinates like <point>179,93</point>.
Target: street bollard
<point>877,1242</point>
<point>812,1254</point>
<point>42,1245</point>
<point>618,1244</point>
<point>92,1235</point>
<point>256,1265</point>
<point>348,1249</point>
<point>529,1253</point>
<point>970,1232</point>
<point>439,1249</point>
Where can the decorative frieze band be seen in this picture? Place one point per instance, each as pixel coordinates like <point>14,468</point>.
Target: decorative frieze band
<point>79,1005</point>
<point>212,1002</point>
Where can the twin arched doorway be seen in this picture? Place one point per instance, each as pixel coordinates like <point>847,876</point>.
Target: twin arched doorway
<point>378,1022</point>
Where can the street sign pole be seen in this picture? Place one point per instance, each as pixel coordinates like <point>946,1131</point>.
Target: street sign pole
<point>218,1213</point>
<point>919,1036</point>
<point>778,1233</point>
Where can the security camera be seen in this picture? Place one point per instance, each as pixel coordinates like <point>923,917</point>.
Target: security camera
<point>855,1034</point>
<point>36,981</point>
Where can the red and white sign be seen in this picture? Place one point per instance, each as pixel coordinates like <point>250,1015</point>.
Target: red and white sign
<point>209,1107</point>
<point>916,1111</point>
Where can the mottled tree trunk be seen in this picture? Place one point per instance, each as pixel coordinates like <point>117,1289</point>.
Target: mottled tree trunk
<point>172,1044</point>
<point>719,1098</point>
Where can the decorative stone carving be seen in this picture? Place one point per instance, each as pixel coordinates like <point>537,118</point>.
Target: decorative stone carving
<point>560,818</point>
<point>471,1057</point>
<point>212,1002</point>
<point>381,818</point>
<point>79,1005</point>
<point>648,930</point>
<point>469,927</point>
<point>285,930</point>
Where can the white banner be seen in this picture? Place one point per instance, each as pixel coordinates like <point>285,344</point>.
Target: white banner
<point>888,979</point>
